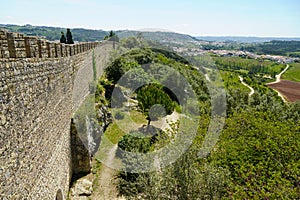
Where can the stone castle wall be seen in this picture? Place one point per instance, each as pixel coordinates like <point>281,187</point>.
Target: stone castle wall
<point>16,45</point>
<point>41,85</point>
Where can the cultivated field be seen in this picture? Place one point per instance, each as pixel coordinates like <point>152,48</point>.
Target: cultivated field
<point>289,89</point>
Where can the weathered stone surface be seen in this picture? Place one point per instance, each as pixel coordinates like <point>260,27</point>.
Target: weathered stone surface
<point>81,162</point>
<point>16,45</point>
<point>82,189</point>
<point>36,107</point>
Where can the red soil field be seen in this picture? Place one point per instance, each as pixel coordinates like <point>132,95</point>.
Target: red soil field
<point>289,89</point>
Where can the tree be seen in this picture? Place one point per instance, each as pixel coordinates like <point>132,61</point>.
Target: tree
<point>69,37</point>
<point>112,37</point>
<point>186,178</point>
<point>131,43</point>
<point>63,38</point>
<point>154,102</point>
<point>111,34</point>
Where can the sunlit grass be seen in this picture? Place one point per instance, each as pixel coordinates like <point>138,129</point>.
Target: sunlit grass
<point>131,120</point>
<point>293,73</point>
<point>114,133</point>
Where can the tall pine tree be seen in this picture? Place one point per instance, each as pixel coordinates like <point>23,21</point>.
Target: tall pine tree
<point>69,37</point>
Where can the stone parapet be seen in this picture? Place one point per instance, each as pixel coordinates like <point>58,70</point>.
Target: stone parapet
<point>16,45</point>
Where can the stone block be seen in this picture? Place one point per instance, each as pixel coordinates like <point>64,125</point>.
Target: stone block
<point>68,50</point>
<point>32,47</point>
<point>63,50</point>
<point>58,50</point>
<point>72,50</point>
<point>51,50</point>
<point>16,45</point>
<point>43,51</point>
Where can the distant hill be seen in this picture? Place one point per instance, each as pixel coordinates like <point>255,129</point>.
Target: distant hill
<point>241,39</point>
<point>159,36</point>
<point>53,33</point>
<point>83,35</point>
<point>276,47</point>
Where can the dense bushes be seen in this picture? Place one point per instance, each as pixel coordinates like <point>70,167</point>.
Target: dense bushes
<point>262,154</point>
<point>256,157</point>
<point>154,102</point>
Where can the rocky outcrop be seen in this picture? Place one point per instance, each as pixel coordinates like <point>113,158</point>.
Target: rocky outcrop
<point>82,189</point>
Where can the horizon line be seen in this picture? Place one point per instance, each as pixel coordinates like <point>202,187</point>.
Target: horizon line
<point>151,30</point>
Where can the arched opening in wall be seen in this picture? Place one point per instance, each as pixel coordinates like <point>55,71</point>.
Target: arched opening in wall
<point>59,195</point>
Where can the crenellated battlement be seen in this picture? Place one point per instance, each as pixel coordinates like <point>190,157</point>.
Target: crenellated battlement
<point>16,45</point>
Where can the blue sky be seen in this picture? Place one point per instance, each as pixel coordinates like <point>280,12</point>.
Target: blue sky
<point>275,18</point>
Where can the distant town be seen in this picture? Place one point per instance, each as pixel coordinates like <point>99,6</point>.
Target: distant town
<point>233,53</point>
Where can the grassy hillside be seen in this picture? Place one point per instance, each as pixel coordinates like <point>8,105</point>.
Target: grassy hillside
<point>164,37</point>
<point>293,74</point>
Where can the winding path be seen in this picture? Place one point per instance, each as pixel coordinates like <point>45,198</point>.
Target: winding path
<point>248,86</point>
<point>107,185</point>
<point>278,76</point>
<point>164,123</point>
<point>207,77</point>
<point>106,188</point>
<point>278,79</point>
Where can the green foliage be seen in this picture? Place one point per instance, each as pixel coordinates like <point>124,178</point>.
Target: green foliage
<point>102,88</point>
<point>118,68</point>
<point>253,66</point>
<point>136,141</point>
<point>112,37</point>
<point>184,179</point>
<point>69,37</point>
<point>137,57</point>
<point>150,96</point>
<point>163,37</point>
<point>63,38</point>
<point>141,62</point>
<point>178,108</point>
<point>262,154</point>
<point>135,77</point>
<point>114,133</point>
<point>131,43</point>
<point>187,178</point>
<point>257,156</point>
<point>285,48</point>
<point>293,73</point>
<point>119,115</point>
<point>170,55</point>
<point>232,81</point>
